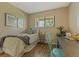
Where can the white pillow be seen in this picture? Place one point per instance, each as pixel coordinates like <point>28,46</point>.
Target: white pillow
<point>23,34</point>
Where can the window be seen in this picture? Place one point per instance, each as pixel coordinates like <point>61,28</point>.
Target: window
<point>45,22</point>
<point>13,21</point>
<point>20,23</point>
<point>41,23</point>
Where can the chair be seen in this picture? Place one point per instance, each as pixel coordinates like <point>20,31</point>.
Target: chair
<point>57,52</point>
<point>53,52</point>
<point>49,41</point>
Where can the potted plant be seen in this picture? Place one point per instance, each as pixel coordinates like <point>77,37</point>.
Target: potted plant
<point>62,32</point>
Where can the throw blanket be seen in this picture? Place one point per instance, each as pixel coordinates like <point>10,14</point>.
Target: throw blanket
<point>25,39</point>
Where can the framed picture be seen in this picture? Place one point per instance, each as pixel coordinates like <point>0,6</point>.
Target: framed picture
<point>10,20</point>
<point>50,21</point>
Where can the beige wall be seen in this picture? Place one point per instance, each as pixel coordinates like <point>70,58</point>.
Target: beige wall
<point>61,18</point>
<point>74,17</point>
<point>7,8</point>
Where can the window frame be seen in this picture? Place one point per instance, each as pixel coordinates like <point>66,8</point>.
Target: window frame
<point>44,19</point>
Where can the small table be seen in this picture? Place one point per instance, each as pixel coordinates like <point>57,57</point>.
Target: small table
<point>70,47</point>
<point>42,37</point>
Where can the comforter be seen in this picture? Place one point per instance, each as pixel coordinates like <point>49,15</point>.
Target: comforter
<point>17,45</point>
<point>13,46</point>
<point>25,39</point>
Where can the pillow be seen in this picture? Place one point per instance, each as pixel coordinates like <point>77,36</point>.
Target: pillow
<point>76,37</point>
<point>68,34</point>
<point>77,34</point>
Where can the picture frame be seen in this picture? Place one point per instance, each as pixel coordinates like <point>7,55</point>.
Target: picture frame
<point>10,20</point>
<point>50,21</point>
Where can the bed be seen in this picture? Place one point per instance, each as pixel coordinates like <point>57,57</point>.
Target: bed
<point>15,46</point>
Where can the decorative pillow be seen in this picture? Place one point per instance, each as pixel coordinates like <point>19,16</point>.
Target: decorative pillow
<point>68,34</point>
<point>76,37</point>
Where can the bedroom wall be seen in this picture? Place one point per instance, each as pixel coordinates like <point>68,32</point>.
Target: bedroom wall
<point>61,18</point>
<point>7,8</point>
<point>74,17</point>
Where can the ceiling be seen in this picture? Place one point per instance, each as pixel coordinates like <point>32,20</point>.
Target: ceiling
<point>32,7</point>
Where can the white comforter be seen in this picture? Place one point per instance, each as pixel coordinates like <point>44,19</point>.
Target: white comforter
<point>16,47</point>
<point>33,37</point>
<point>13,46</point>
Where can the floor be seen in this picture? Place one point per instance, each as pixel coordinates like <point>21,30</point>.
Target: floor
<point>41,50</point>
